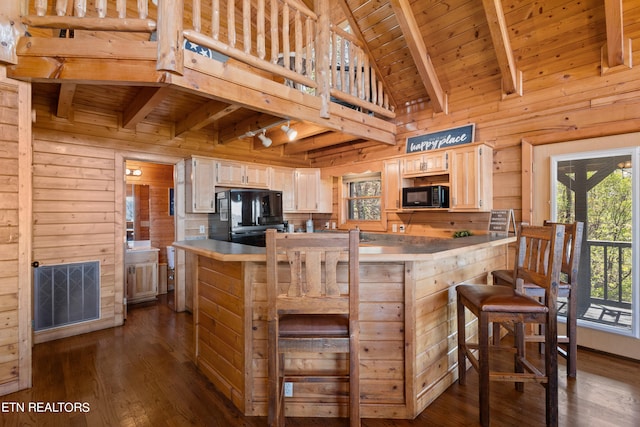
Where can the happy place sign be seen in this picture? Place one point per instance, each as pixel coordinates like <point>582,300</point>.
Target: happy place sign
<point>442,139</point>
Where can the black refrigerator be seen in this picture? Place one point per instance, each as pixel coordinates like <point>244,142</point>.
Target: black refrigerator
<point>244,215</point>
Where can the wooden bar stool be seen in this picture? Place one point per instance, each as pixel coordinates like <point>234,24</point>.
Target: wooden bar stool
<point>568,289</point>
<point>312,292</point>
<point>539,259</point>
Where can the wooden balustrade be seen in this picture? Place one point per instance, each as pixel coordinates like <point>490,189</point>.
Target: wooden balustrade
<point>353,79</point>
<point>306,53</point>
<point>81,18</point>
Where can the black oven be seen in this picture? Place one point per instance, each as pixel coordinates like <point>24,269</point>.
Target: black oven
<point>429,196</point>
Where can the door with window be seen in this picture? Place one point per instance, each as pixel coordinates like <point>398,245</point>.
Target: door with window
<point>600,188</point>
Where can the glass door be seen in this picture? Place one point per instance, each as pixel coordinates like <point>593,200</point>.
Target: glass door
<point>599,189</point>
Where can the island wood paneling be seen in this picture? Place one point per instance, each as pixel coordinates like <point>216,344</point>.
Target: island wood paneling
<point>407,334</point>
<point>220,326</point>
<point>382,373</point>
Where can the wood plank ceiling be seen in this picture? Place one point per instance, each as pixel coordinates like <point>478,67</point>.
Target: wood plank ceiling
<point>431,54</point>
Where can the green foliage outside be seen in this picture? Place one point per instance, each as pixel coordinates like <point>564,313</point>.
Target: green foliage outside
<point>608,229</point>
<point>365,200</point>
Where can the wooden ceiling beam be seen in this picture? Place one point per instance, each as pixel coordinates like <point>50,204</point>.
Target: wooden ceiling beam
<point>615,47</point>
<point>511,76</point>
<point>235,85</point>
<point>420,55</point>
<point>145,101</point>
<point>209,113</point>
<point>316,142</point>
<point>65,99</point>
<point>355,28</point>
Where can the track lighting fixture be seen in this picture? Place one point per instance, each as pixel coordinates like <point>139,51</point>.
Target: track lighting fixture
<point>291,133</point>
<point>266,141</point>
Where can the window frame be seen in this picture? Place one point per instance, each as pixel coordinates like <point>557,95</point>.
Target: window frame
<point>344,221</point>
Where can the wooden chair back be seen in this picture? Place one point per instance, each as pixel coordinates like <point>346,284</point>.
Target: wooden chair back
<point>312,283</point>
<point>312,293</point>
<point>538,247</point>
<point>571,250</point>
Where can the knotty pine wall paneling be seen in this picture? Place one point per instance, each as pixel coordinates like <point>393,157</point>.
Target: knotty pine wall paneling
<point>78,165</point>
<point>585,104</point>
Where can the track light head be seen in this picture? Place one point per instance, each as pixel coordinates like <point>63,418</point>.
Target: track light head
<point>291,133</point>
<point>266,141</point>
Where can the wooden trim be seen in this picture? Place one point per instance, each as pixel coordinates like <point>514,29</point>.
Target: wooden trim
<point>90,24</point>
<point>25,209</point>
<point>119,292</point>
<point>410,336</point>
<point>615,128</point>
<point>527,182</point>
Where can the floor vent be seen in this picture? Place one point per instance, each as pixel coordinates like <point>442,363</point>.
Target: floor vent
<point>66,294</point>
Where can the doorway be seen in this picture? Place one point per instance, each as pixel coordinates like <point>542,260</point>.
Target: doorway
<point>596,188</point>
<point>596,180</point>
<point>150,223</point>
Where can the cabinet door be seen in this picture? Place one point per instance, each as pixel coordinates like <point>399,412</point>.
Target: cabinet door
<point>142,281</point>
<point>426,164</point>
<point>200,192</point>
<point>256,176</point>
<point>229,173</point>
<point>313,194</point>
<point>307,184</point>
<point>392,185</point>
<point>472,179</point>
<point>282,179</point>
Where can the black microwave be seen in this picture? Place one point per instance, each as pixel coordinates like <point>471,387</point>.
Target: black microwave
<point>429,196</point>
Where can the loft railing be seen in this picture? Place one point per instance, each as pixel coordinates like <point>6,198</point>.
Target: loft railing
<point>281,37</point>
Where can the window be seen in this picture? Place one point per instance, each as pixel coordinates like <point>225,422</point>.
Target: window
<point>364,195</point>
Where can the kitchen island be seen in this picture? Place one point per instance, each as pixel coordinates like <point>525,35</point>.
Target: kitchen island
<point>407,323</point>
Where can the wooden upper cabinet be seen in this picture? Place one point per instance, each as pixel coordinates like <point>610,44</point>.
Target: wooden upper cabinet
<point>426,164</point>
<point>238,174</point>
<point>200,185</point>
<point>392,184</point>
<point>283,179</point>
<point>471,178</point>
<point>311,192</point>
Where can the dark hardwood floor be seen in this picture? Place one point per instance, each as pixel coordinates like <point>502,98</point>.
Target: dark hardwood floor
<point>142,374</point>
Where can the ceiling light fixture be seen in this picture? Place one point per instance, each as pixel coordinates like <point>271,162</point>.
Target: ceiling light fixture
<point>291,133</point>
<point>134,172</point>
<point>266,141</point>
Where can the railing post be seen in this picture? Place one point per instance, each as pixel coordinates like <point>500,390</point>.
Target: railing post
<point>322,10</point>
<point>170,39</point>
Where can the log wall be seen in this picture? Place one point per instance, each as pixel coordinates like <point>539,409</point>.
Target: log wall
<point>570,104</point>
<point>79,200</point>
